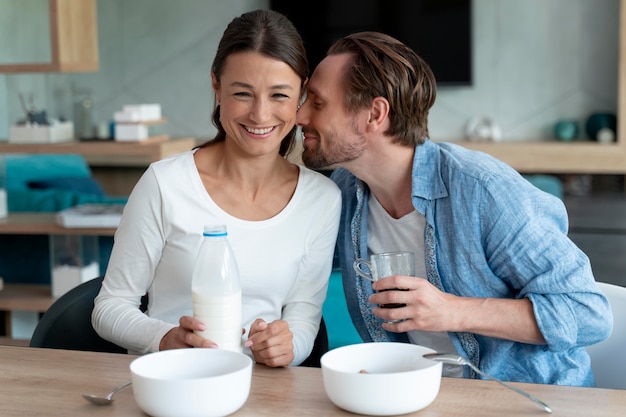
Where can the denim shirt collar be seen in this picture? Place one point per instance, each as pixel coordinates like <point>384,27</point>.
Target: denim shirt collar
<point>427,184</point>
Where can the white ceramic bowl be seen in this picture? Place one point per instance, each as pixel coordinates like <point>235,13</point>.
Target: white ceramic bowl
<point>191,382</point>
<point>398,379</point>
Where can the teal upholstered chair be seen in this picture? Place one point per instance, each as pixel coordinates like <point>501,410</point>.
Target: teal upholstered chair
<point>339,325</point>
<point>46,183</point>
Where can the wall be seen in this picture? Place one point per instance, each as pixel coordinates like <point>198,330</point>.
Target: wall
<point>535,61</point>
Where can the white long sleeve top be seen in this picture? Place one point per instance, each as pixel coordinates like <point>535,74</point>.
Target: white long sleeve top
<point>284,262</point>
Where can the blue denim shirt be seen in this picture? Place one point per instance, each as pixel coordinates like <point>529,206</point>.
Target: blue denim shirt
<point>489,233</point>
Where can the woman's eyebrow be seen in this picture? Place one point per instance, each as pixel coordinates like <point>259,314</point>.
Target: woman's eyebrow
<point>273,87</point>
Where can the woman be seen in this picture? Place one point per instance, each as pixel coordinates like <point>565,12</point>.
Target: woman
<point>282,219</point>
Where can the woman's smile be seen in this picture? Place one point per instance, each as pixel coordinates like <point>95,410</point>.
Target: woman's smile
<point>261,131</point>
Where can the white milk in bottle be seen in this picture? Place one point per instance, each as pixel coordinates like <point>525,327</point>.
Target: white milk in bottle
<point>216,290</point>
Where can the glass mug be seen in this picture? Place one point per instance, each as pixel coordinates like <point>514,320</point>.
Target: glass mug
<point>383,265</point>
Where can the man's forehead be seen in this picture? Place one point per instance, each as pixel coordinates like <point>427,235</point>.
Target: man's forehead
<point>328,75</point>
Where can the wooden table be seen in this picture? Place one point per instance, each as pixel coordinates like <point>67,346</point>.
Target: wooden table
<point>44,382</point>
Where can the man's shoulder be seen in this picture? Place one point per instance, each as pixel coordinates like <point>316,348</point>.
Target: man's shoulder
<point>343,178</point>
<point>476,167</point>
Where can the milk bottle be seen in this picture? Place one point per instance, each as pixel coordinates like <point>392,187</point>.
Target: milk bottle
<point>216,290</point>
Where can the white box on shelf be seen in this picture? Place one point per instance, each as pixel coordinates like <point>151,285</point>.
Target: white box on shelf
<point>54,133</point>
<point>74,259</point>
<point>66,277</point>
<point>131,132</point>
<point>146,112</point>
<point>91,216</point>
<point>127,116</point>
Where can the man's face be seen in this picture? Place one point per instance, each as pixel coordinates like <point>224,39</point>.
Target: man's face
<point>331,134</point>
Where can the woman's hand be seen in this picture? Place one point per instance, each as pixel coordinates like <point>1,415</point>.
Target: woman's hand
<point>183,336</point>
<point>271,344</point>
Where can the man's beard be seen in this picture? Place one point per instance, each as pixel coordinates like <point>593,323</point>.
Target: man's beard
<point>314,158</point>
<point>338,151</point>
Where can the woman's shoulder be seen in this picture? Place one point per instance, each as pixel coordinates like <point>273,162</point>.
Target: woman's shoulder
<point>316,180</point>
<point>173,163</point>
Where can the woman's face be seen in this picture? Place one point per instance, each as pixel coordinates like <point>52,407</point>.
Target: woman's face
<point>258,99</point>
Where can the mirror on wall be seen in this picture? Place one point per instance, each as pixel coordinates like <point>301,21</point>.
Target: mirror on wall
<point>48,36</point>
<point>24,32</point>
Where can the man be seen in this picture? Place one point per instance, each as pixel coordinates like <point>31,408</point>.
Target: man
<point>502,285</point>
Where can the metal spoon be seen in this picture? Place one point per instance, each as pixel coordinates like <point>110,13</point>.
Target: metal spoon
<point>458,360</point>
<point>97,400</point>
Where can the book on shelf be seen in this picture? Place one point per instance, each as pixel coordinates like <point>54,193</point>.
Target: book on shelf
<point>91,215</point>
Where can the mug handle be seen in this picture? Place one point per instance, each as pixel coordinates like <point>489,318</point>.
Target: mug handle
<point>357,266</point>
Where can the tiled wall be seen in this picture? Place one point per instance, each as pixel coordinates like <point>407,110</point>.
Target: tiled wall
<point>535,61</point>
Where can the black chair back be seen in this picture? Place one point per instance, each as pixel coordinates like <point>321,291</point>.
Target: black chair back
<point>67,323</point>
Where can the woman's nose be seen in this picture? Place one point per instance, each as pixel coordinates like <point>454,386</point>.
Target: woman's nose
<point>261,111</point>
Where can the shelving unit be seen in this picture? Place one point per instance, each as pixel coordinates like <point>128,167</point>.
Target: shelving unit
<point>23,303</point>
<point>570,157</point>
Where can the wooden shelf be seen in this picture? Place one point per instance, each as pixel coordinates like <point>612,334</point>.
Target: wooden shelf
<point>45,224</point>
<point>160,121</point>
<point>110,153</point>
<point>557,157</point>
<point>22,300</point>
<point>26,297</point>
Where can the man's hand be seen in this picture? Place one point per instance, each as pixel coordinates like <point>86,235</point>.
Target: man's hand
<point>431,310</point>
<point>425,307</point>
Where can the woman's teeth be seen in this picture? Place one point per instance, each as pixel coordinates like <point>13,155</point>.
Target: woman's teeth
<point>259,131</point>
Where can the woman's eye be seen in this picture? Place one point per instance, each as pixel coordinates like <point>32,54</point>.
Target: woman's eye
<point>280,96</point>
<point>242,94</point>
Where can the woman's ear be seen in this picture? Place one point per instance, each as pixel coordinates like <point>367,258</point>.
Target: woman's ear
<point>379,110</point>
<point>216,88</point>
